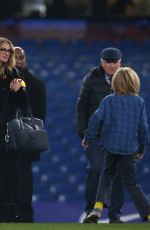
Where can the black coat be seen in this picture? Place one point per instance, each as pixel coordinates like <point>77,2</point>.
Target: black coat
<point>94,88</point>
<point>36,91</point>
<point>37,98</point>
<point>9,101</point>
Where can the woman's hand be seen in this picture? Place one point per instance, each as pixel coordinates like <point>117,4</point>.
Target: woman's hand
<point>16,84</point>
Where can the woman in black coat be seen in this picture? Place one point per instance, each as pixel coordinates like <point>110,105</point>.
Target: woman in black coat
<point>12,96</point>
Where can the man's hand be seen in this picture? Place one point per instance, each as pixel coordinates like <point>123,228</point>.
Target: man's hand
<point>85,143</point>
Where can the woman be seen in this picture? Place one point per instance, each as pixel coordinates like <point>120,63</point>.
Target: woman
<point>11,97</point>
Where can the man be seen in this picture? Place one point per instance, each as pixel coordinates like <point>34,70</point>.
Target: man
<point>37,98</point>
<point>94,87</point>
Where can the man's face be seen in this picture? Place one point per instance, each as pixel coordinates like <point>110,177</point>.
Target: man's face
<point>110,67</point>
<point>20,58</point>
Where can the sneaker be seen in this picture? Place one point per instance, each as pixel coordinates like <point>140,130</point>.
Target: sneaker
<point>92,218</point>
<point>116,221</point>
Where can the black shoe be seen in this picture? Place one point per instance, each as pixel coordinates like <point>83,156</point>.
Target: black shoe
<point>116,221</point>
<point>91,219</point>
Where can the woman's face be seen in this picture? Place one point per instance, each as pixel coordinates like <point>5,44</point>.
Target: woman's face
<point>5,52</point>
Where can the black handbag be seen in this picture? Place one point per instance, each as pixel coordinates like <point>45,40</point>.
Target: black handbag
<point>26,134</point>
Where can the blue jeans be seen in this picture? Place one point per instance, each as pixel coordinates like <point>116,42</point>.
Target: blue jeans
<point>127,164</point>
<point>95,156</point>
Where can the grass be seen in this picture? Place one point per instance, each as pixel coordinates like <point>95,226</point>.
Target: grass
<point>73,226</point>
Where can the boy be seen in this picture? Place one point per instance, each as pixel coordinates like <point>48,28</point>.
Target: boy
<point>120,123</point>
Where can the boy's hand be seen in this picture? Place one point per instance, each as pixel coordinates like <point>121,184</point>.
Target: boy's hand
<point>139,156</point>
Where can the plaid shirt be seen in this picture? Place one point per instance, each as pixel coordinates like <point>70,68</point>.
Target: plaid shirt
<point>120,123</point>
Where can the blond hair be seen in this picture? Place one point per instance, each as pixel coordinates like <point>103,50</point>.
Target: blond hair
<point>11,61</point>
<point>126,82</point>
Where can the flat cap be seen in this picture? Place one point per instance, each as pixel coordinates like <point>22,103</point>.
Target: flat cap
<point>111,54</point>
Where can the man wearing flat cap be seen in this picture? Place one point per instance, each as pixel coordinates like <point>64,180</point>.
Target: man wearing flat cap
<point>94,87</point>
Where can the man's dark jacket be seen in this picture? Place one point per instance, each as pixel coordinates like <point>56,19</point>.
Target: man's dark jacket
<point>94,88</point>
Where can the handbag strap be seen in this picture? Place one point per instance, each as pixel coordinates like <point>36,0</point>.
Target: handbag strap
<point>30,109</point>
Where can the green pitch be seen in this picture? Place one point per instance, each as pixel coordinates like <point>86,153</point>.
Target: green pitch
<point>74,226</point>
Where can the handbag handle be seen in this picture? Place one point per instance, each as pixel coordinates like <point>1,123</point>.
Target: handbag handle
<point>29,109</point>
